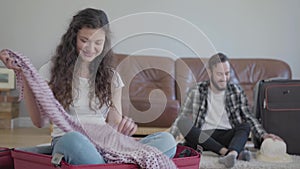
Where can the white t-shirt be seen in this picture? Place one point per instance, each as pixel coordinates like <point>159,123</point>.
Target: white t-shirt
<point>80,108</point>
<point>216,117</point>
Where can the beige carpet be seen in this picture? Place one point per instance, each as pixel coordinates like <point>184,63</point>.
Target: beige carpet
<point>210,161</point>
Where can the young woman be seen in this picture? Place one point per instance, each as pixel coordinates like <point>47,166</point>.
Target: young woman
<point>89,89</point>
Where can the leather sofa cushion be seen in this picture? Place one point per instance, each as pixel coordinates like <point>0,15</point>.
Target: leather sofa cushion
<point>147,77</point>
<point>154,114</point>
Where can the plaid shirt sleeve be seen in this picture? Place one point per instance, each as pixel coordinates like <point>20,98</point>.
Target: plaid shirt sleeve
<point>185,110</point>
<point>244,113</point>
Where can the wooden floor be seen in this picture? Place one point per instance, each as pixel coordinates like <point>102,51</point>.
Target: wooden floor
<point>24,137</point>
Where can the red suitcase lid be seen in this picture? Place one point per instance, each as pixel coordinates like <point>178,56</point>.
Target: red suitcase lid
<point>29,160</point>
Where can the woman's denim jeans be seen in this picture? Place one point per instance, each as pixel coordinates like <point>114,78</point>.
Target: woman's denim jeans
<point>77,149</point>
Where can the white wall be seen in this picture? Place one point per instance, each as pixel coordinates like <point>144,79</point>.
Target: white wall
<point>239,28</point>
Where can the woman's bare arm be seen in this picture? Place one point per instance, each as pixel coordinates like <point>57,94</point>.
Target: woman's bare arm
<point>115,118</point>
<point>31,105</point>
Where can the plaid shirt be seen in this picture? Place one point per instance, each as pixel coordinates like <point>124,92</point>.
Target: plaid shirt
<point>195,106</point>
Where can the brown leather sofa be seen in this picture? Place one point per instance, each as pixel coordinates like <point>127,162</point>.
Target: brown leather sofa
<point>155,86</point>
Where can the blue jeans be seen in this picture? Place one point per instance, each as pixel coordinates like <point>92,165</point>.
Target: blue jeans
<point>215,140</point>
<point>77,149</point>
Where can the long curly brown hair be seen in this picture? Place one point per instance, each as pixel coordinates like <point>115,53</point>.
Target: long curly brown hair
<point>66,56</point>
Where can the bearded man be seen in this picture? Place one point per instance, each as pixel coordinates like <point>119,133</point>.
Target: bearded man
<point>216,115</point>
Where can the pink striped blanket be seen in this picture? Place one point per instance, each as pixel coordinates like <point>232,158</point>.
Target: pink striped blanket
<point>113,146</point>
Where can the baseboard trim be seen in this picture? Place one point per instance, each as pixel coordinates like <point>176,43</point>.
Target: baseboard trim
<point>23,122</point>
<point>149,130</point>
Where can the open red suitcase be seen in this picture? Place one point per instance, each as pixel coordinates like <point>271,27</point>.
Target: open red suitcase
<point>29,160</point>
<point>6,161</point>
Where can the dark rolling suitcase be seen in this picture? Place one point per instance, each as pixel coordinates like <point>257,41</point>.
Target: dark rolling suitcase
<point>277,107</point>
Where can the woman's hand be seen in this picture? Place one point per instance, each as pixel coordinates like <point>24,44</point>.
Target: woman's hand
<point>127,126</point>
<point>121,123</point>
<point>8,61</point>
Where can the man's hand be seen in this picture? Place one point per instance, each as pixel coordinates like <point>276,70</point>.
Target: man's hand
<point>272,136</point>
<point>127,126</point>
